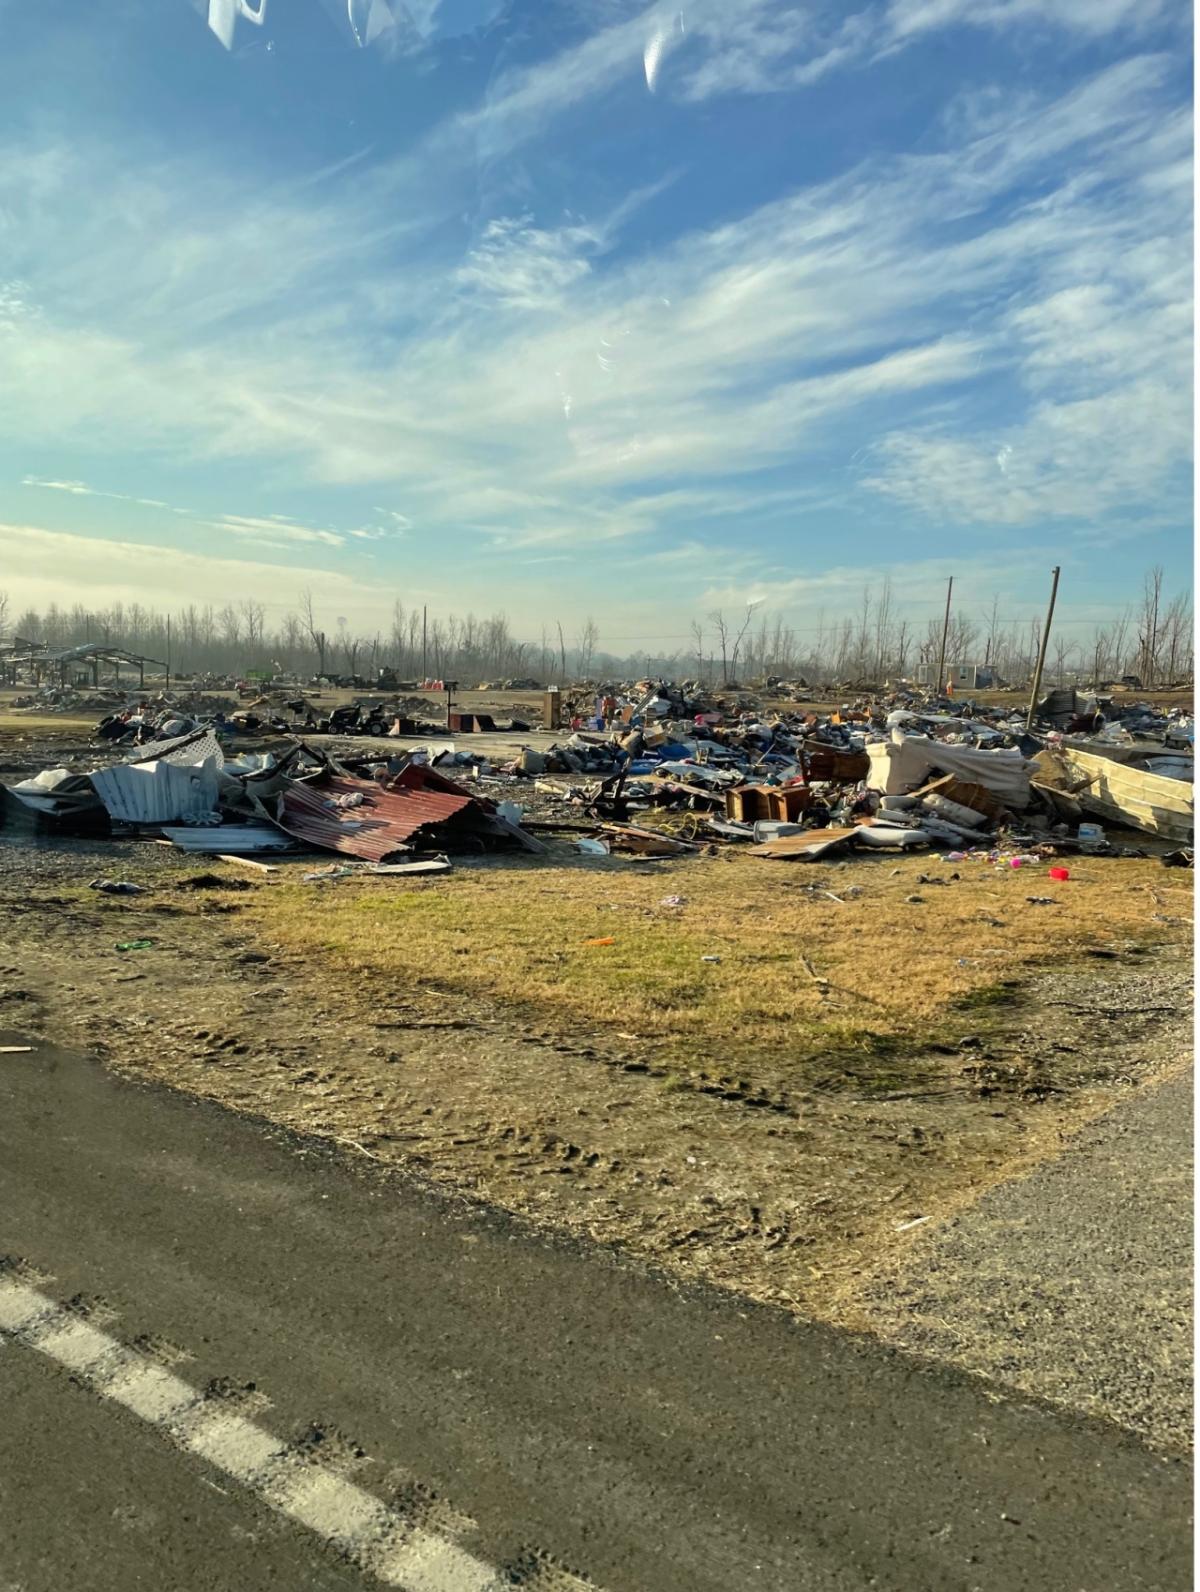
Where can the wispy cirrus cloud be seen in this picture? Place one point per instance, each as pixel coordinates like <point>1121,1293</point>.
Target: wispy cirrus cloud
<point>544,385</point>
<point>273,530</point>
<point>280,530</point>
<point>400,522</point>
<point>905,20</point>
<point>40,564</point>
<point>711,49</point>
<point>525,267</point>
<point>81,489</point>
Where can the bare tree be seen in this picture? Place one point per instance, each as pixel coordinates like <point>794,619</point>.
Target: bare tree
<point>231,626</point>
<point>349,644</point>
<point>961,638</point>
<point>698,638</point>
<point>1064,650</point>
<point>900,651</point>
<point>1120,640</point>
<point>862,644</point>
<point>588,637</point>
<point>718,620</point>
<point>289,637</point>
<point>1153,636</point>
<point>3,612</point>
<point>883,625</point>
<point>254,616</point>
<point>993,633</point>
<point>737,645</point>
<point>1148,631</point>
<point>308,620</point>
<point>1176,632</point>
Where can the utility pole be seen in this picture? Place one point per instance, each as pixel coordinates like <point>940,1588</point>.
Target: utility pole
<point>1041,663</point>
<point>939,683</point>
<point>168,652</point>
<point>424,642</point>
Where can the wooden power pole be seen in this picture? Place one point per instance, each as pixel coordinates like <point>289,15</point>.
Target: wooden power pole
<point>939,684</point>
<point>1041,663</point>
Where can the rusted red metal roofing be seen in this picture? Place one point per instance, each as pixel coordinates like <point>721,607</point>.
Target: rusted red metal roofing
<point>384,821</point>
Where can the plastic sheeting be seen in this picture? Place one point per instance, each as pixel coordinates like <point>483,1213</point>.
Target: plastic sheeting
<point>905,762</point>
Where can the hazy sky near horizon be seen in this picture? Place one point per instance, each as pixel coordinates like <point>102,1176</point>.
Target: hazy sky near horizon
<point>595,307</point>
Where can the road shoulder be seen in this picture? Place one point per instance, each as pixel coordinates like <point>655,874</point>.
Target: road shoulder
<point>1074,1283</point>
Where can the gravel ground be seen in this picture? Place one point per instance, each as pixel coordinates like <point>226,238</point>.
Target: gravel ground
<point>1074,1283</point>
<point>33,861</point>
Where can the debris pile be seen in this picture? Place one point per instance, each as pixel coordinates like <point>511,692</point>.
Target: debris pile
<point>186,791</point>
<point>885,773</point>
<point>658,770</point>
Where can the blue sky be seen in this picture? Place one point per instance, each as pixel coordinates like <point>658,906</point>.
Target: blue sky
<point>593,307</point>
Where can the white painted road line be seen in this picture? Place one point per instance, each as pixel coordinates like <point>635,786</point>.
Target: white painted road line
<point>381,1541</point>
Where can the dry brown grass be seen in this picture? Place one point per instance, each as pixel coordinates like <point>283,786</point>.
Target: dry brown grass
<point>16,724</point>
<point>756,1132</point>
<point>799,975</point>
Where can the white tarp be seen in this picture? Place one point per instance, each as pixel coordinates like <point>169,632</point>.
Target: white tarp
<point>905,762</point>
<point>44,783</point>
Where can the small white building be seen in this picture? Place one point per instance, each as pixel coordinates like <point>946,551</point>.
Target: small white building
<point>963,676</point>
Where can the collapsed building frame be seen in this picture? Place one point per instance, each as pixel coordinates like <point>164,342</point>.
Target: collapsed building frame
<point>39,660</point>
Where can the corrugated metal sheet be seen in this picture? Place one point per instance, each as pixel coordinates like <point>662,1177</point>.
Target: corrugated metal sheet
<point>229,839</point>
<point>382,824</point>
<point>157,792</point>
<point>197,746</point>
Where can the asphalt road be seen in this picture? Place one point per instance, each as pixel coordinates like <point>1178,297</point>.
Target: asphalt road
<point>527,1412</point>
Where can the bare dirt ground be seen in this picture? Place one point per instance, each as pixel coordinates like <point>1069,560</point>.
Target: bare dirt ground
<point>792,1164</point>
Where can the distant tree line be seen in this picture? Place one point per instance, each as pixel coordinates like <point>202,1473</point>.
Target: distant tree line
<point>1152,639</point>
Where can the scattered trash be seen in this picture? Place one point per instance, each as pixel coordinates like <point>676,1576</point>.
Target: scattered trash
<point>1041,901</point>
<point>673,901</point>
<point>134,945</point>
<point>121,887</point>
<point>1059,873</point>
<point>603,939</point>
<point>915,1221</point>
<point>375,870</point>
<point>710,958</point>
<point>15,1050</point>
<point>653,768</point>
